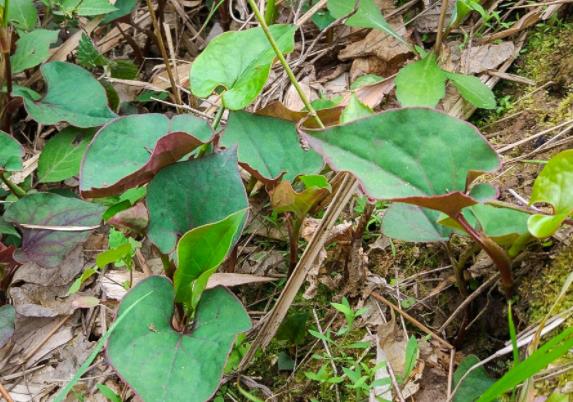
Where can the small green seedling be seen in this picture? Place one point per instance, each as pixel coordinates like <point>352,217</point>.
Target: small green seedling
<point>423,83</point>
<point>349,315</point>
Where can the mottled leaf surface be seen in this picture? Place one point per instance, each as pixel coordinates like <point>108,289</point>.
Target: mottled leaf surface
<point>415,155</point>
<point>129,151</point>
<point>191,194</point>
<point>240,62</point>
<point>48,248</point>
<point>269,148</point>
<point>74,96</point>
<point>161,364</point>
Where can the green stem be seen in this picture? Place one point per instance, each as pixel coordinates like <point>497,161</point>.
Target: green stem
<point>284,63</point>
<point>13,187</point>
<point>218,117</point>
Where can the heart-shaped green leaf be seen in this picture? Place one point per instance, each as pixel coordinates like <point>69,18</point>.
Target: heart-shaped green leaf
<point>161,364</point>
<point>73,96</point>
<point>63,154</point>
<point>554,186</point>
<point>44,246</point>
<point>367,15</point>
<point>32,49</point>
<point>422,83</point>
<point>418,156</point>
<point>269,148</point>
<point>411,223</point>
<point>11,153</point>
<point>239,61</point>
<point>200,252</point>
<point>144,144</point>
<point>193,193</point>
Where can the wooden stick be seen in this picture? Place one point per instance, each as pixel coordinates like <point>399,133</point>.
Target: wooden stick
<point>5,394</point>
<point>273,320</point>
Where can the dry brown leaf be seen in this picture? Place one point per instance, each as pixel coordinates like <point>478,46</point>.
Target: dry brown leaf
<point>487,57</point>
<point>429,18</point>
<point>63,275</point>
<point>31,300</point>
<point>367,65</point>
<point>380,44</point>
<point>279,110</point>
<point>372,95</point>
<point>341,231</point>
<point>32,332</point>
<point>263,262</point>
<point>337,85</point>
<point>232,279</point>
<point>112,282</point>
<point>292,99</point>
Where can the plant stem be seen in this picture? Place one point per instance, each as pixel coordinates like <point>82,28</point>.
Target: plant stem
<point>217,118</point>
<point>284,63</point>
<point>161,44</point>
<point>497,254</point>
<point>13,187</point>
<point>441,23</point>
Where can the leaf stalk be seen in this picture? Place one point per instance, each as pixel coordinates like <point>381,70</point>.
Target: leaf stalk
<point>497,254</point>
<point>280,56</point>
<point>13,187</point>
